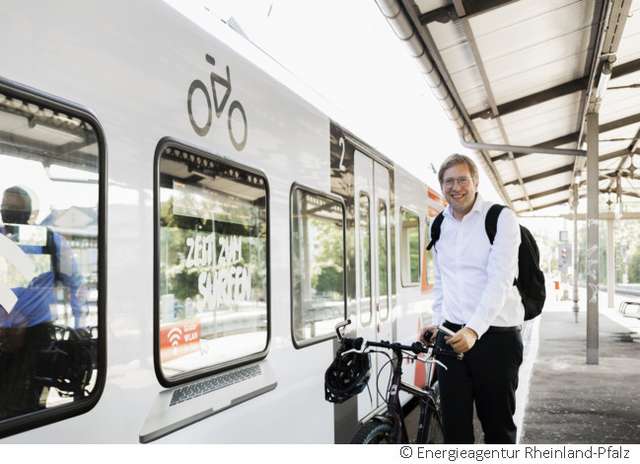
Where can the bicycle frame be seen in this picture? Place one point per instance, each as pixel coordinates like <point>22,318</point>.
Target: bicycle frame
<point>426,398</point>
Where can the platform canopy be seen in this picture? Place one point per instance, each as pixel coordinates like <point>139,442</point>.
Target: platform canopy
<point>524,74</point>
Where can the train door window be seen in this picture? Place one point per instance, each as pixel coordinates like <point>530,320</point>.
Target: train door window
<point>366,303</point>
<point>51,279</point>
<point>383,261</point>
<point>409,248</point>
<point>317,265</point>
<point>212,264</point>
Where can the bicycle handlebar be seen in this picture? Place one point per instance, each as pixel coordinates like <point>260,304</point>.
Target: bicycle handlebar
<point>416,347</point>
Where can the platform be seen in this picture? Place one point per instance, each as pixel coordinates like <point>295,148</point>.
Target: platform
<point>569,401</point>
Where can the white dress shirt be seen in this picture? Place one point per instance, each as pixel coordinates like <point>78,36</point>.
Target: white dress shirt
<point>474,279</point>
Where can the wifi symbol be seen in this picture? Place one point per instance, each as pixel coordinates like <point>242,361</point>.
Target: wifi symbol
<point>23,263</point>
<point>175,335</point>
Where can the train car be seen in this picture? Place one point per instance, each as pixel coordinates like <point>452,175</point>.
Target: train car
<point>183,226</point>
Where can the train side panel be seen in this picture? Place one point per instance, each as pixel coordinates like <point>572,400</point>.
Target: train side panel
<point>132,65</point>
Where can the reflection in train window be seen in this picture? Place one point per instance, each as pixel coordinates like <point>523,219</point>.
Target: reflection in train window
<point>366,304</point>
<point>212,248</point>
<point>49,272</point>
<point>317,265</point>
<point>383,261</point>
<point>409,248</point>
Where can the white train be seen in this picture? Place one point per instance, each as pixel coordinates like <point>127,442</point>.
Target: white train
<point>182,230</point>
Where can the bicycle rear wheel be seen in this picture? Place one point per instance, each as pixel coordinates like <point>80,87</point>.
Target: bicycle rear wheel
<point>373,432</point>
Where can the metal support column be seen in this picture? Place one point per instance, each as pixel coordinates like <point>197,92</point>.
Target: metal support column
<point>611,264</point>
<point>576,199</point>
<point>593,215</point>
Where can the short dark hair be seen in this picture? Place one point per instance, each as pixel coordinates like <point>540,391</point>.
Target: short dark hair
<point>16,200</point>
<point>18,192</point>
<point>457,158</point>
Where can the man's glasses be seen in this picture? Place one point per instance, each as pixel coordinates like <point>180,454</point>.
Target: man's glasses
<point>462,181</point>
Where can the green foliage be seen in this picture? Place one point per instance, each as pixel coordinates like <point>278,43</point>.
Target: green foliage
<point>414,255</point>
<point>328,280</point>
<point>634,267</point>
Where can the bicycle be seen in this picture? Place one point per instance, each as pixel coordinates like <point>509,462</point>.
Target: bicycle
<point>349,374</point>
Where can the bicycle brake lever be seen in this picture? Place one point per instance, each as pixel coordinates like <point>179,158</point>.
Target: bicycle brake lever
<point>440,364</point>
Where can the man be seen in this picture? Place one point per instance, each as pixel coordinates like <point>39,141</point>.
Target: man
<point>475,297</point>
<point>26,329</point>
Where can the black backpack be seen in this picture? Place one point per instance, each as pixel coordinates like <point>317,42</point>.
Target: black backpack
<point>530,281</point>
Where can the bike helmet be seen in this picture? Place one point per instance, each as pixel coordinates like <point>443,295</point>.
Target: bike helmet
<point>347,376</point>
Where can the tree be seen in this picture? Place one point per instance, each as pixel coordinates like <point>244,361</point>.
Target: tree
<point>634,267</point>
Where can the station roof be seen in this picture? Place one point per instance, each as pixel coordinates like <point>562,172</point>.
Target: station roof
<point>525,73</point>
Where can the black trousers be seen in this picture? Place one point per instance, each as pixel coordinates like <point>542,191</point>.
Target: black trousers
<point>488,376</point>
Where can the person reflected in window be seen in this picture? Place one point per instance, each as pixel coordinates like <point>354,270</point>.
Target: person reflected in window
<point>27,328</point>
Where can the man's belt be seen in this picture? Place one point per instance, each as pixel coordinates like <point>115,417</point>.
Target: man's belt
<point>492,329</point>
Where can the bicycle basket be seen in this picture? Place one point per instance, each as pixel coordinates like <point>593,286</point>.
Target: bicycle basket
<point>347,376</point>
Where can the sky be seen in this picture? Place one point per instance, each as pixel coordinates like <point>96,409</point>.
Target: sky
<point>347,52</point>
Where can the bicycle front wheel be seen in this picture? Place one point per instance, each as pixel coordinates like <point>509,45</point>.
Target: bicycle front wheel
<point>433,424</point>
<point>433,431</point>
<point>373,432</point>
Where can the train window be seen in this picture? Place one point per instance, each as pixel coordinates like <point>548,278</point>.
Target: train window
<point>409,248</point>
<point>51,357</point>
<point>383,261</point>
<point>366,303</point>
<point>317,265</point>
<point>212,264</point>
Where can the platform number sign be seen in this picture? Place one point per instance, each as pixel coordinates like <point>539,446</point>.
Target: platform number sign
<point>235,113</point>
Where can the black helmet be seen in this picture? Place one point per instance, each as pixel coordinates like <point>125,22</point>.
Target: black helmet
<point>347,376</point>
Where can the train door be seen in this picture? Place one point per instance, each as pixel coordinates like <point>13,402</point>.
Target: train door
<point>373,266</point>
<point>382,266</point>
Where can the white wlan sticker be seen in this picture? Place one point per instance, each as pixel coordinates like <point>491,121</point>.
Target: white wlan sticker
<point>22,262</point>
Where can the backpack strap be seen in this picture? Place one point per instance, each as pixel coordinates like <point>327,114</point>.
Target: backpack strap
<point>491,221</point>
<point>491,225</point>
<point>435,230</point>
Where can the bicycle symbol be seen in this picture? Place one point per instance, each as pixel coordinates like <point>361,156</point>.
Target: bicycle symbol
<point>218,105</point>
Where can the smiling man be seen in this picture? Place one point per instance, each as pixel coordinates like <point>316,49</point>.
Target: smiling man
<point>475,297</point>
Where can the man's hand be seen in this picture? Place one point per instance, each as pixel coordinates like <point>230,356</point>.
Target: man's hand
<point>463,340</point>
<point>429,333</point>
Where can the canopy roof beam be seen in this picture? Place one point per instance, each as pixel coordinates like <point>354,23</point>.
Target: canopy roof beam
<point>534,99</point>
<point>562,188</point>
<point>465,9</point>
<point>583,195</point>
<point>522,150</point>
<point>573,137</point>
<point>630,150</point>
<point>565,168</point>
